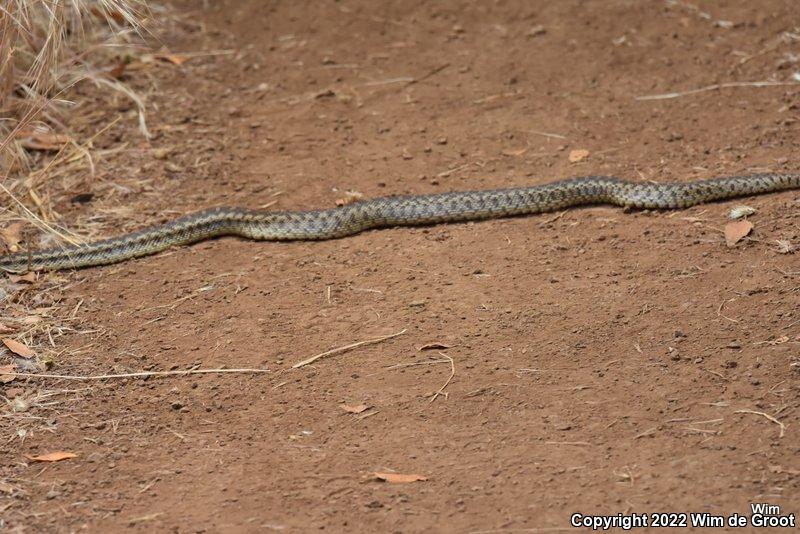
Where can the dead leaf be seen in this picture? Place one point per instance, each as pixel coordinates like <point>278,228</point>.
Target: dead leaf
<point>355,409</point>
<point>175,59</point>
<point>578,155</point>
<point>6,488</point>
<point>5,377</point>
<point>349,198</point>
<point>398,478</point>
<point>514,153</point>
<point>49,142</point>
<point>117,71</point>
<point>52,456</point>
<point>434,346</point>
<point>5,329</point>
<point>736,231</point>
<point>11,236</point>
<point>27,278</point>
<point>20,349</point>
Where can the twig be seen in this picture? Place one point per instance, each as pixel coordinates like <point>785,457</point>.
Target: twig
<point>404,79</point>
<point>433,72</point>
<point>666,96</point>
<point>646,433</point>
<point>768,416</point>
<point>454,169</point>
<point>138,374</point>
<point>452,374</point>
<point>346,348</point>
<point>547,134</point>
<point>204,54</point>
<point>413,364</point>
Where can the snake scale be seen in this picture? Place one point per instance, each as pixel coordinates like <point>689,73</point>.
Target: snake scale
<point>396,211</point>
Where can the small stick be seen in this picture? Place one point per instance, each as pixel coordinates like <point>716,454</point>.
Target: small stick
<point>548,134</point>
<point>433,72</point>
<point>646,433</point>
<point>452,374</point>
<point>667,96</point>
<point>404,79</point>
<point>338,350</point>
<point>134,375</point>
<point>414,364</point>
<point>451,171</point>
<point>768,416</point>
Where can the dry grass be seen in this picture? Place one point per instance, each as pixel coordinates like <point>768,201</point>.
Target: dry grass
<point>45,44</point>
<point>46,48</point>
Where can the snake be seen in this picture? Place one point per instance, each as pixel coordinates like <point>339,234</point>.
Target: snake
<point>393,211</point>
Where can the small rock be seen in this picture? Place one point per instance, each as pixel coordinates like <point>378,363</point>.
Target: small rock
<point>536,31</point>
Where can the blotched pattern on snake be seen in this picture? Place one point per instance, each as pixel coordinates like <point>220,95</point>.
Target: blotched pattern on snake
<point>397,211</point>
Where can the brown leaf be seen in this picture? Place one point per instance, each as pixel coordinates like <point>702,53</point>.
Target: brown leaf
<point>514,153</point>
<point>354,409</point>
<point>736,231</point>
<point>20,349</point>
<point>175,59</point>
<point>398,478</point>
<point>117,71</point>
<point>11,236</point>
<point>578,155</point>
<point>5,378</point>
<point>52,456</point>
<point>28,278</point>
<point>45,141</point>
<point>434,346</point>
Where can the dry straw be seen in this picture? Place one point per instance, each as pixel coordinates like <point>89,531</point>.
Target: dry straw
<point>46,46</point>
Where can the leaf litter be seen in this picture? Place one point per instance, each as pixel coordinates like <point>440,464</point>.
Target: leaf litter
<point>56,456</point>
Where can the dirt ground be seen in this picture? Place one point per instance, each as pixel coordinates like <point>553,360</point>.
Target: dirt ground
<point>603,362</point>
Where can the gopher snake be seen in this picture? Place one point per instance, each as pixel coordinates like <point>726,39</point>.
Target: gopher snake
<point>396,211</point>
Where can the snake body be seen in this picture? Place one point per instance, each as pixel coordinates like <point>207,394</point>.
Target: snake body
<point>396,211</point>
